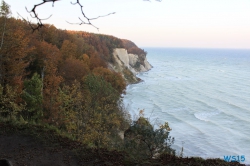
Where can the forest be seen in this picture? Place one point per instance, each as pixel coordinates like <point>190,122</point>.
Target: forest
<point>60,80</point>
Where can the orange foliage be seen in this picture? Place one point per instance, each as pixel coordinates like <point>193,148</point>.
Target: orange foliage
<point>68,49</point>
<point>132,48</point>
<point>50,56</point>
<point>96,61</point>
<point>59,57</point>
<point>73,69</point>
<point>13,58</point>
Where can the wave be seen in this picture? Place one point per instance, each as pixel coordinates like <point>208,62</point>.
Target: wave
<point>206,101</point>
<point>178,110</point>
<point>233,99</point>
<point>205,116</point>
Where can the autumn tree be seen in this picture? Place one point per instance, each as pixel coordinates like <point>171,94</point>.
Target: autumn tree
<point>85,59</point>
<point>73,69</point>
<point>4,13</point>
<point>68,49</point>
<point>96,61</point>
<point>14,57</point>
<point>14,48</point>
<point>50,35</point>
<point>46,59</point>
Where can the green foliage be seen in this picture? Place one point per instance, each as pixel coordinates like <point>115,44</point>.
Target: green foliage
<point>32,95</point>
<point>91,113</point>
<point>115,79</point>
<point>5,9</point>
<point>76,93</point>
<point>103,118</point>
<point>87,108</point>
<point>129,76</point>
<point>137,65</point>
<point>9,105</point>
<point>100,88</point>
<point>143,142</point>
<point>71,107</point>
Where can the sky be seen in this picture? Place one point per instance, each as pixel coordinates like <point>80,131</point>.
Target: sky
<point>169,23</point>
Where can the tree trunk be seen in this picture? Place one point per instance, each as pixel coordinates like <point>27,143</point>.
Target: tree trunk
<point>1,56</point>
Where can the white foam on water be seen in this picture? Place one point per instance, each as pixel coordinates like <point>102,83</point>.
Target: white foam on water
<point>205,116</point>
<point>204,97</point>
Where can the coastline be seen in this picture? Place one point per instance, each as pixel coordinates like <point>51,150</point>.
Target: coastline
<point>179,108</point>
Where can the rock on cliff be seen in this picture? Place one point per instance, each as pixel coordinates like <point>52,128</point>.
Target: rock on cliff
<point>129,64</point>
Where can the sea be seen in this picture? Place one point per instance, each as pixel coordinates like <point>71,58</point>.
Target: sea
<point>204,95</point>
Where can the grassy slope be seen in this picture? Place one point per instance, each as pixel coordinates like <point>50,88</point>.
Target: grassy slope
<point>26,144</point>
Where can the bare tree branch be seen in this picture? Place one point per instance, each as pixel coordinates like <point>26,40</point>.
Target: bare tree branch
<point>88,22</point>
<point>34,14</point>
<point>39,24</point>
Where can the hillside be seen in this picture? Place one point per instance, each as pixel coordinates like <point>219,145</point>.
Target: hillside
<point>114,51</point>
<point>62,78</point>
<point>61,101</point>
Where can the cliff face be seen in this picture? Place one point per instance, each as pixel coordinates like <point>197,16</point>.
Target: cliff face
<point>129,64</point>
<point>120,55</point>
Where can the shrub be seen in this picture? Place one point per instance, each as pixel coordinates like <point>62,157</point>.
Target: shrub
<point>143,142</point>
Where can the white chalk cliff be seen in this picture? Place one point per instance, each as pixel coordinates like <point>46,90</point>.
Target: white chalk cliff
<point>132,62</point>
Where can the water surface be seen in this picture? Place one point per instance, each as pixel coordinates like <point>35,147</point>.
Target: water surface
<point>204,94</point>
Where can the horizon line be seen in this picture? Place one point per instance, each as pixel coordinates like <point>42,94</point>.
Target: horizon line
<point>210,48</point>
